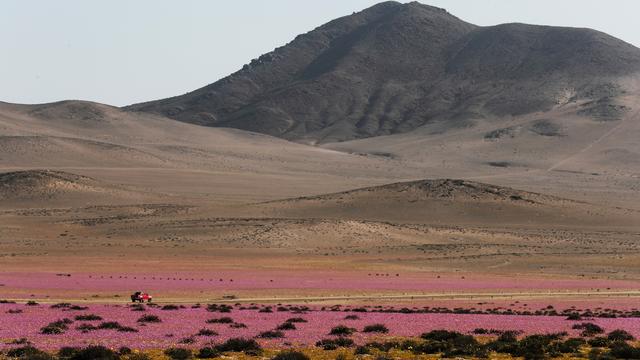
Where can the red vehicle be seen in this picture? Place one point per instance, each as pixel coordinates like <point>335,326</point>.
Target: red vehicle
<point>140,296</point>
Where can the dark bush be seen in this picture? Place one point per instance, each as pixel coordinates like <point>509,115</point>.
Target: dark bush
<point>206,332</point>
<point>109,325</point>
<point>465,345</point>
<point>239,345</point>
<point>248,346</point>
<point>376,328</point>
<point>222,320</point>
<point>60,306</point>
<point>296,320</point>
<point>170,307</point>
<point>286,326</point>
<point>187,340</point>
<point>569,346</point>
<point>178,353</point>
<point>68,352</point>
<point>451,344</point>
<point>127,329</point>
<point>533,347</point>
<point>29,352</point>
<point>51,330</point>
<point>588,329</point>
<point>599,341</point>
<point>441,335</point>
<point>208,353</point>
<point>385,346</point>
<point>236,325</point>
<point>332,344</point>
<point>88,317</point>
<point>32,303</point>
<point>342,330</point>
<point>432,347</point>
<point>622,350</point>
<point>620,335</point>
<point>290,355</point>
<point>362,350</point>
<point>95,353</point>
<point>271,334</point>
<point>508,336</point>
<point>574,316</point>
<point>123,350</point>
<point>85,328</point>
<point>219,308</point>
<point>352,317</point>
<point>149,319</point>
<point>56,327</point>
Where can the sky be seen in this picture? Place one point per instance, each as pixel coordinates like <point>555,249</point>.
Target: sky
<point>121,52</point>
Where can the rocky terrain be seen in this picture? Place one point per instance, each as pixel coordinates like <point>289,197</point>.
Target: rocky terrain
<point>394,67</point>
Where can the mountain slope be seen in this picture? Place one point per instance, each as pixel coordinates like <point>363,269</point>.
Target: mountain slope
<point>395,67</point>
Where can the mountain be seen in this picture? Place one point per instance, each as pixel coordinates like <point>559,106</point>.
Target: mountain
<point>394,67</point>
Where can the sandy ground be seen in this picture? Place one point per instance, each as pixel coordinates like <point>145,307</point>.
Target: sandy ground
<point>170,198</point>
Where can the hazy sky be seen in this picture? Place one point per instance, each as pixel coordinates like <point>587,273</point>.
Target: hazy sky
<point>122,51</point>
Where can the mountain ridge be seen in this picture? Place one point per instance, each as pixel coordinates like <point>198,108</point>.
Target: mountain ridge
<point>393,68</point>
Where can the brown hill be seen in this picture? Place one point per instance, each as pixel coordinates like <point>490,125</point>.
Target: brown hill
<point>50,188</point>
<point>395,67</point>
<point>447,201</point>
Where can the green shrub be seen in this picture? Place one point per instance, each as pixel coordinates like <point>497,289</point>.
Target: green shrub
<point>622,350</point>
<point>441,335</point>
<point>332,344</point>
<point>68,352</point>
<point>341,330</point>
<point>95,353</point>
<point>239,345</point>
<point>376,328</point>
<point>29,352</point>
<point>296,320</point>
<point>271,334</point>
<point>56,327</point>
<point>178,353</point>
<point>620,335</point>
<point>286,326</point>
<point>207,332</point>
<point>149,319</point>
<point>599,341</point>
<point>208,353</point>
<point>588,329</point>
<point>222,320</point>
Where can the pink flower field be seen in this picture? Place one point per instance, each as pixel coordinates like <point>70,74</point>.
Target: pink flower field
<point>23,321</point>
<point>269,279</point>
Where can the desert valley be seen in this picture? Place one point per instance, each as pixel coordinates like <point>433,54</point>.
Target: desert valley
<point>398,165</point>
